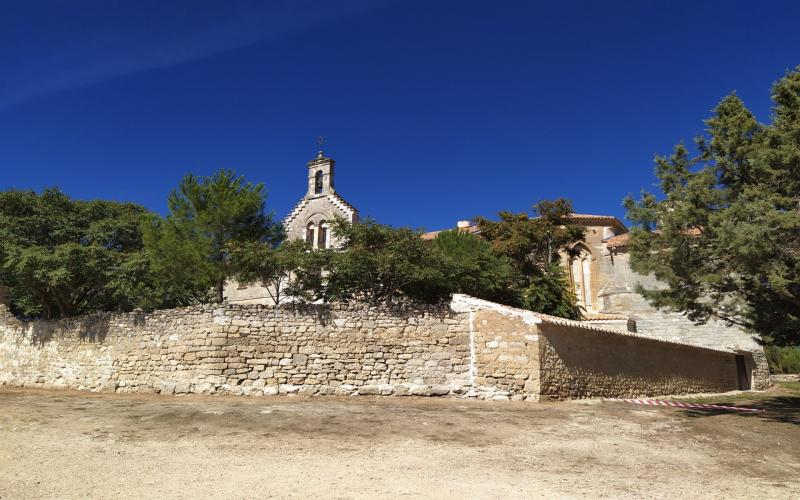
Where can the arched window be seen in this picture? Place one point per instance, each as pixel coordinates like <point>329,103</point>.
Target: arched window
<point>310,234</point>
<point>581,276</point>
<point>323,235</point>
<point>318,182</point>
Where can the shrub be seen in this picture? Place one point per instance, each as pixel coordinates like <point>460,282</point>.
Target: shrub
<point>783,359</point>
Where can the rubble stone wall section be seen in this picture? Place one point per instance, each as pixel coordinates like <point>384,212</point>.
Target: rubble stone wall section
<point>583,363</point>
<point>336,349</point>
<point>471,348</point>
<point>504,347</point>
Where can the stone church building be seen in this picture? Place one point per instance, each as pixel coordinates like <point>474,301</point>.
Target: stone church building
<point>599,270</point>
<point>310,218</point>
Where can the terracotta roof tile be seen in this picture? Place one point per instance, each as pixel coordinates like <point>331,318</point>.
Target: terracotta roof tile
<point>619,240</point>
<point>592,216</point>
<point>593,219</point>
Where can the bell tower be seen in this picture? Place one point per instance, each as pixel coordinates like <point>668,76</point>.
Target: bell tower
<point>320,176</point>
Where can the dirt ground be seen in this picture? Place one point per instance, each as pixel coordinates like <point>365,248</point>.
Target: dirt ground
<point>77,445</point>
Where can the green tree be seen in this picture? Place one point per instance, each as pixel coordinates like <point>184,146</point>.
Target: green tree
<point>309,281</point>
<point>468,265</point>
<point>63,257</point>
<point>181,272</point>
<point>725,237</point>
<point>535,245</point>
<point>273,268</point>
<point>381,264</point>
<point>207,214</point>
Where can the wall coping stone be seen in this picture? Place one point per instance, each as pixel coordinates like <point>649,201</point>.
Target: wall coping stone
<point>467,303</point>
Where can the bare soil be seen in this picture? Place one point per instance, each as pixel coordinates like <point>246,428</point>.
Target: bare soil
<point>63,444</point>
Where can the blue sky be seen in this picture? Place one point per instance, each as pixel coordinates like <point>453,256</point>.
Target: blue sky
<point>434,110</point>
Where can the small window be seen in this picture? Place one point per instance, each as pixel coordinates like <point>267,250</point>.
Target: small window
<point>310,234</point>
<point>323,235</point>
<point>581,277</point>
<point>318,182</point>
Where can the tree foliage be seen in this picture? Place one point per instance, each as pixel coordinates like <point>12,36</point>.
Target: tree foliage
<point>181,272</point>
<point>725,237</point>
<point>535,246</point>
<point>207,215</point>
<point>382,264</point>
<point>470,266</point>
<point>274,268</point>
<point>63,257</point>
<point>515,261</point>
<point>379,264</point>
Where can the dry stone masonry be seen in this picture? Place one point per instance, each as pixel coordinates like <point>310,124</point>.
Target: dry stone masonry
<point>470,348</point>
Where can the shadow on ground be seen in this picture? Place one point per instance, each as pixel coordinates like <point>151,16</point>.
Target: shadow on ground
<point>779,408</point>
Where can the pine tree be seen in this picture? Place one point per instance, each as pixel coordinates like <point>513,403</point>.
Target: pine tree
<point>207,214</point>
<point>725,237</point>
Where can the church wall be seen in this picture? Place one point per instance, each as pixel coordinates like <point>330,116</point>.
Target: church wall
<point>620,296</point>
<point>593,242</point>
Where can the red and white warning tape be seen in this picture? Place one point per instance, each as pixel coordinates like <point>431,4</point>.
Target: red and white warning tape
<point>680,404</point>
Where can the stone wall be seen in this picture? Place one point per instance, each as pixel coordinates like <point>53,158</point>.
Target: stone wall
<point>585,363</point>
<point>504,346</point>
<point>471,348</point>
<point>337,349</point>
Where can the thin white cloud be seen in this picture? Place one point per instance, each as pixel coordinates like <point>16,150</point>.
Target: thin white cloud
<point>113,55</point>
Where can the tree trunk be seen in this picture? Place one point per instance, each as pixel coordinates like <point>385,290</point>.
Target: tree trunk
<point>220,290</point>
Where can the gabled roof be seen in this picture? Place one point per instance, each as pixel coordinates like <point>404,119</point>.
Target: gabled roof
<point>333,197</point>
<point>598,220</point>
<point>343,201</point>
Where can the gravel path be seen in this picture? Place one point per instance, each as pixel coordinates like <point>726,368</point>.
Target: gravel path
<point>62,444</point>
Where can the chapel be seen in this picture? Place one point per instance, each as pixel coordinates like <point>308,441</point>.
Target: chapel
<point>311,217</point>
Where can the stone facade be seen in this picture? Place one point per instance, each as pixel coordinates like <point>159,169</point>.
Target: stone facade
<point>471,348</point>
<point>599,270</point>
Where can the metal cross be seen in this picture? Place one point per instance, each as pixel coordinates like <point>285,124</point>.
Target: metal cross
<point>320,141</point>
